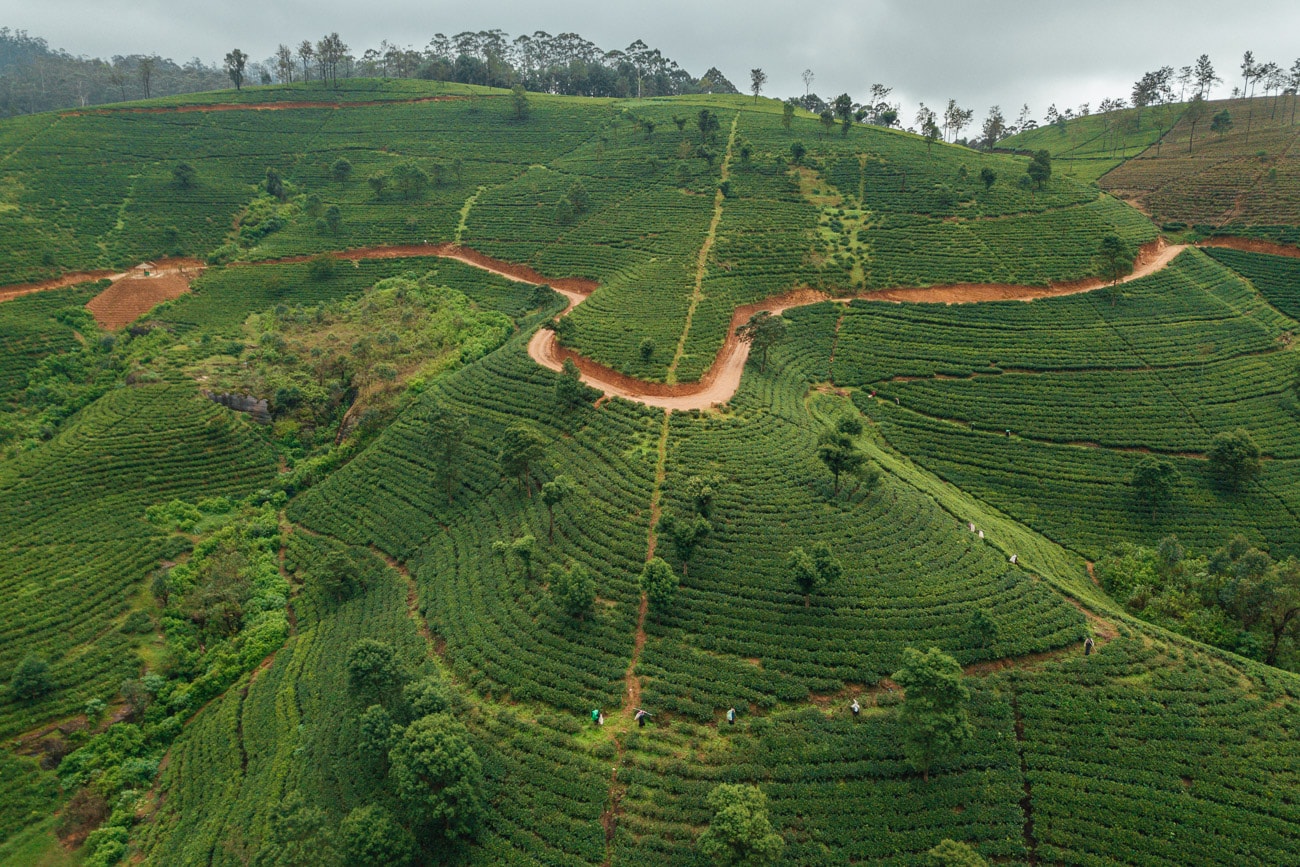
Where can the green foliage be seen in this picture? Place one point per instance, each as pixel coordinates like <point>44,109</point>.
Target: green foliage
<point>949,853</point>
<point>686,533</point>
<point>1234,458</point>
<point>31,678</point>
<point>803,571</point>
<point>519,102</point>
<point>572,588</point>
<point>522,448</point>
<point>299,834</point>
<point>1153,483</point>
<point>739,832</point>
<point>370,835</point>
<point>184,176</point>
<point>341,170</point>
<point>1040,168</point>
<point>763,331</point>
<point>934,714</point>
<point>438,778</point>
<point>658,583</point>
<point>570,391</point>
<point>1114,259</point>
<point>375,675</point>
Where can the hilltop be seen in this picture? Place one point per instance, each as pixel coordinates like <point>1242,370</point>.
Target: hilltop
<point>951,432</point>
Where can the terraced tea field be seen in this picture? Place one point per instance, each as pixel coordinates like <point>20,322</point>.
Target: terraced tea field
<point>479,563</point>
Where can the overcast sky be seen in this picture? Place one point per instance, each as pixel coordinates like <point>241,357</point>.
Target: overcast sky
<point>981,53</point>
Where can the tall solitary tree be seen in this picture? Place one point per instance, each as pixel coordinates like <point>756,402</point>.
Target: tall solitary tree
<point>1040,168</point>
<point>686,534</point>
<point>1234,458</point>
<point>787,114</point>
<point>236,60</point>
<point>934,714</point>
<point>1153,483</point>
<point>757,78</point>
<point>995,126</point>
<point>838,450</point>
<point>807,76</point>
<point>522,446</point>
<point>843,107</point>
<point>145,71</point>
<point>447,429</point>
<point>519,101</point>
<point>554,492</point>
<point>572,588</point>
<point>1114,260</point>
<point>763,331</point>
<point>1194,113</point>
<point>658,583</point>
<point>1205,76</point>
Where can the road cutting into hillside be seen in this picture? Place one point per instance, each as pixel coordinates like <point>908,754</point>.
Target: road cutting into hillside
<point>721,380</point>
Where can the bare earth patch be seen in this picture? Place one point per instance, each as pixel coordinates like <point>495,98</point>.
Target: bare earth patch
<point>135,294</point>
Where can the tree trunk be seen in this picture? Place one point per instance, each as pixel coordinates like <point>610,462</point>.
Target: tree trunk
<point>550,530</point>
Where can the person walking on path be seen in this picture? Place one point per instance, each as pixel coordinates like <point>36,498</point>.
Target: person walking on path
<point>1087,646</point>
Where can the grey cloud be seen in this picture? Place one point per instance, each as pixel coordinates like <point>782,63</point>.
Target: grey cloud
<point>1001,52</point>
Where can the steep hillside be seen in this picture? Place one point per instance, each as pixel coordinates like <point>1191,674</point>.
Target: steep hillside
<point>424,631</point>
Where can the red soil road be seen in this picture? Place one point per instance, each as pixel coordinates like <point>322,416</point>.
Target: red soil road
<point>263,106</point>
<point>19,289</point>
<point>1250,245</point>
<point>134,294</point>
<point>722,379</point>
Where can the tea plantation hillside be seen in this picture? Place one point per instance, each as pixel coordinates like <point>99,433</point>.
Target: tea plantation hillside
<point>434,598</point>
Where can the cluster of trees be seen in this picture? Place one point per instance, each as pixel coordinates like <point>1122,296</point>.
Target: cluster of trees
<point>565,63</point>
<point>426,778</point>
<point>1234,460</point>
<point>1238,598</point>
<point>34,77</point>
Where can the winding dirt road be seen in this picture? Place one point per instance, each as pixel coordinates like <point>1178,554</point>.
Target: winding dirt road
<point>720,382</point>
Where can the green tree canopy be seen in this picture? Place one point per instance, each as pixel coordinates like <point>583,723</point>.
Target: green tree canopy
<point>374,674</point>
<point>934,714</point>
<point>522,447</point>
<point>1040,168</point>
<point>184,176</point>
<point>763,331</point>
<point>1234,458</point>
<point>370,835</point>
<point>438,777</point>
<point>1114,259</point>
<point>658,583</point>
<point>739,831</point>
<point>572,588</point>
<point>554,493</point>
<point>1153,483</point>
<point>31,678</point>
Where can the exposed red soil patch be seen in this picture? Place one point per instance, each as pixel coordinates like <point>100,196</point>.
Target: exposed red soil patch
<point>1251,245</point>
<point>135,294</point>
<point>264,106</point>
<point>19,289</point>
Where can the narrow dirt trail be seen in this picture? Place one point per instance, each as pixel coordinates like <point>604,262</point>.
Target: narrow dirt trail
<point>702,263</point>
